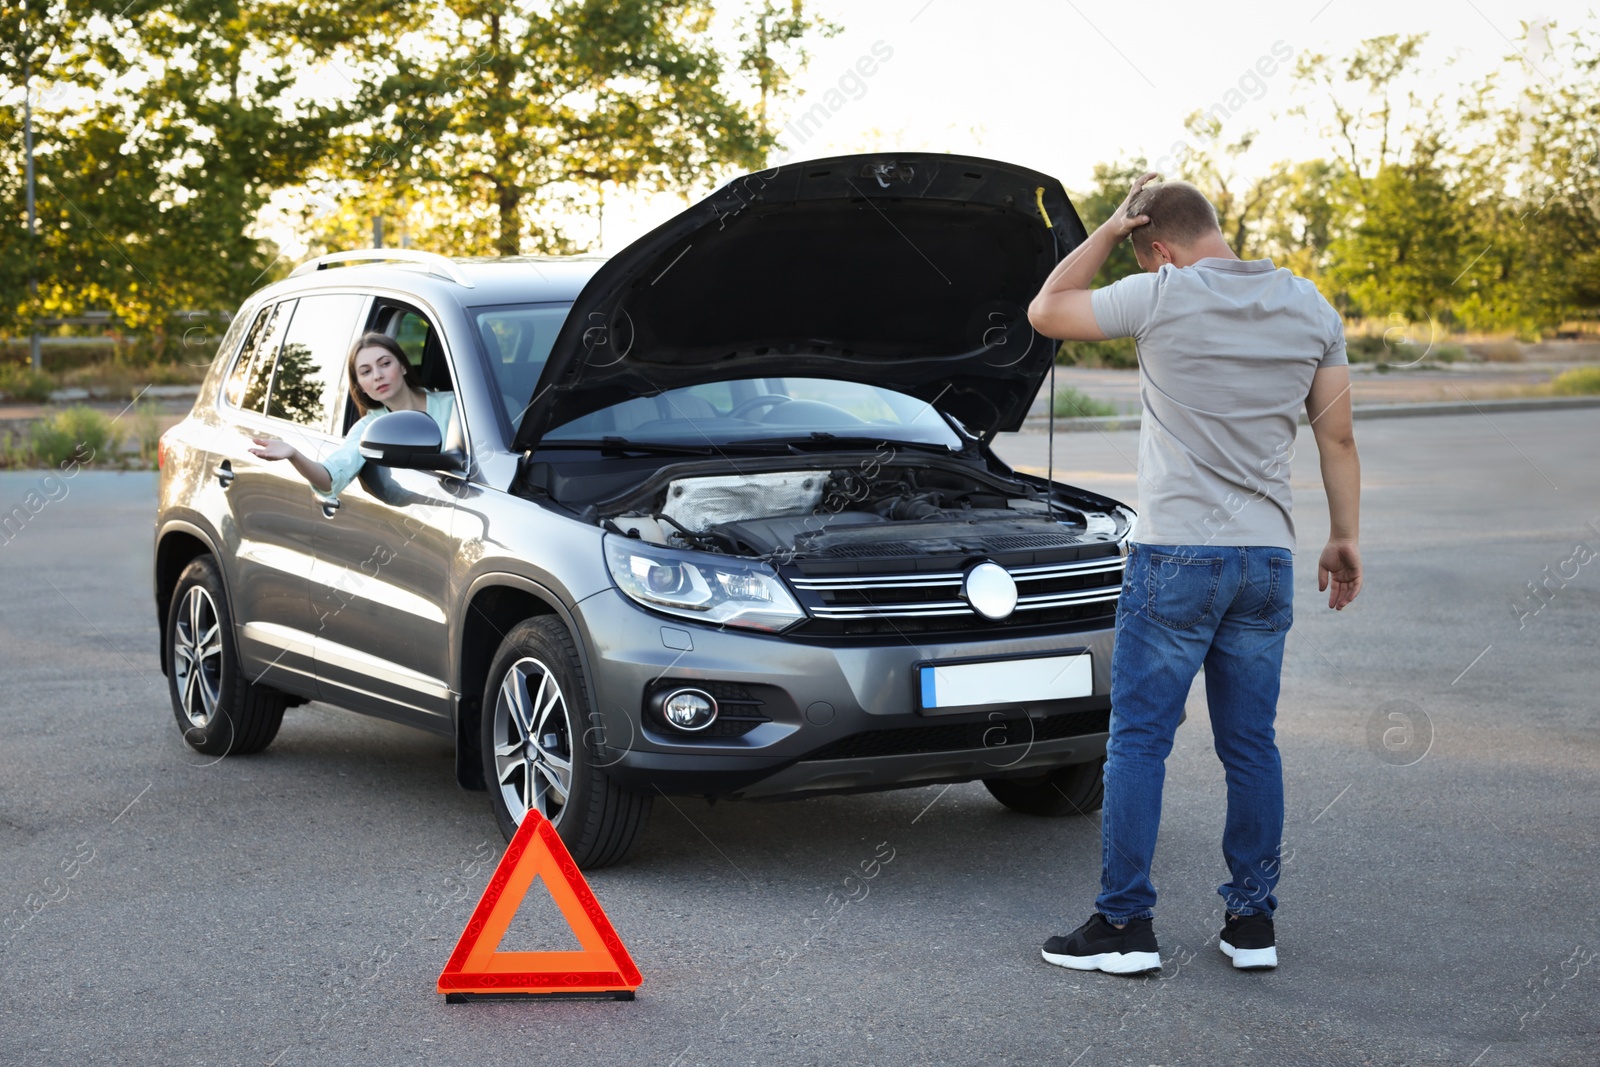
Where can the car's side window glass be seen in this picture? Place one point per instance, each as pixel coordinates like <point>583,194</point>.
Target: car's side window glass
<point>314,348</point>
<point>252,372</point>
<point>411,331</point>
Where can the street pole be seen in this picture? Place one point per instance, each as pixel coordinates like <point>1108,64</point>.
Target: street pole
<point>33,281</point>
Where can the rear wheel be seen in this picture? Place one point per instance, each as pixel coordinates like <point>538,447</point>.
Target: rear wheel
<point>1075,790</point>
<point>218,710</point>
<point>536,755</point>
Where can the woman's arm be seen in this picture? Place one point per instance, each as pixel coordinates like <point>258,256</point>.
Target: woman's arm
<point>310,469</point>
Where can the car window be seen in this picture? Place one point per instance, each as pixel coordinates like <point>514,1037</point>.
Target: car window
<point>411,331</point>
<point>252,371</point>
<point>516,342</point>
<point>314,349</point>
<point>752,409</point>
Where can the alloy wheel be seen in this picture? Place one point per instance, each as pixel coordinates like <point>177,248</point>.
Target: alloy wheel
<point>197,656</point>
<point>532,741</point>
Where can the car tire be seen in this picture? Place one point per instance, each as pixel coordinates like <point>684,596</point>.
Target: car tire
<point>1073,790</point>
<point>219,712</point>
<point>533,748</point>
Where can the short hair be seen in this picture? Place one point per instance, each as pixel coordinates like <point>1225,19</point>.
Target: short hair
<point>1179,214</point>
<point>363,402</point>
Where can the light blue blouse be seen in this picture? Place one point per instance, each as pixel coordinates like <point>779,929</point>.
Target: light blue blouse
<point>345,462</point>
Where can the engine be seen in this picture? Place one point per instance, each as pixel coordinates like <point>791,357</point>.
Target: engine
<point>867,512</point>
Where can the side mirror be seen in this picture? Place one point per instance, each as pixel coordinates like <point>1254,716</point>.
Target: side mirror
<point>407,439</point>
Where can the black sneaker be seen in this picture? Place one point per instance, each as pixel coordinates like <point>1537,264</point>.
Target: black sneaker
<point>1249,940</point>
<point>1099,946</point>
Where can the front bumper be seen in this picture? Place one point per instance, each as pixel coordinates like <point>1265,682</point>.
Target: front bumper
<point>840,717</point>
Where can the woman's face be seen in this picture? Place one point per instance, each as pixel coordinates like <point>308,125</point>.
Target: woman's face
<point>379,374</point>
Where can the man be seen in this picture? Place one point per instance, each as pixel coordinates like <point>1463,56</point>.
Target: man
<point>1229,352</point>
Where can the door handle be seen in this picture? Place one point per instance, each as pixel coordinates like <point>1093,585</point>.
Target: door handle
<point>225,473</point>
<point>329,507</point>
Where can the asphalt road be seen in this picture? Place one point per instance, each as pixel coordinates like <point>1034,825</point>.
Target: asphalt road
<point>1438,902</point>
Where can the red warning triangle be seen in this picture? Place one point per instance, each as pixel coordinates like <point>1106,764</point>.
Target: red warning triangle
<point>602,965</point>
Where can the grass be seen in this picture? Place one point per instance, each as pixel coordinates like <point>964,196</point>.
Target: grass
<point>147,431</point>
<point>78,432</point>
<point>22,382</point>
<point>1076,404</point>
<point>101,377</point>
<point>125,379</point>
<point>1580,381</point>
<point>1119,353</point>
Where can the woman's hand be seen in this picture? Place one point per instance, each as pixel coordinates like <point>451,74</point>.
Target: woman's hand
<point>272,448</point>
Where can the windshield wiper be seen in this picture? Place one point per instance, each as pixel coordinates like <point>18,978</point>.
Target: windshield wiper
<point>622,444</point>
<point>833,440</point>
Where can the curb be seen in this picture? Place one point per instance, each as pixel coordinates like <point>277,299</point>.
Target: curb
<point>1103,424</point>
<point>61,396</point>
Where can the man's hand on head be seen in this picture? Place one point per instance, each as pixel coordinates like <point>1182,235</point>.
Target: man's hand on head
<point>1120,222</point>
<point>1063,308</point>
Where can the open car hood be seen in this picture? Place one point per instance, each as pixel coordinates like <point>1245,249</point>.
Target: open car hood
<point>908,270</point>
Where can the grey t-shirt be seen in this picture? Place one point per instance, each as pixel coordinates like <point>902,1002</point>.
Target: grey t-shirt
<point>1227,350</point>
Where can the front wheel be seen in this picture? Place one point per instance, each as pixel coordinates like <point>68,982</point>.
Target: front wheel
<point>1074,790</point>
<point>219,711</point>
<point>536,755</point>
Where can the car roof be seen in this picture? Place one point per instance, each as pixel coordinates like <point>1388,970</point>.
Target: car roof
<point>489,280</point>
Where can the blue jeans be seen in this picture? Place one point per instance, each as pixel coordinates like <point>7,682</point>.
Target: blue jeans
<point>1182,606</point>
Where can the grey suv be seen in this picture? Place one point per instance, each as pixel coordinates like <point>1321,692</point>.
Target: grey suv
<point>715,517</point>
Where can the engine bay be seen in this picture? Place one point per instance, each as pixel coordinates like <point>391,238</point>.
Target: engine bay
<point>872,510</point>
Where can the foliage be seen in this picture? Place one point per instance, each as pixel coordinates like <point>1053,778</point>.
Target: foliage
<point>1076,404</point>
<point>1481,215</point>
<point>1111,184</point>
<point>485,129</point>
<point>78,432</point>
<point>1580,381</point>
<point>146,431</point>
<point>1119,352</point>
<point>21,382</point>
<point>164,129</point>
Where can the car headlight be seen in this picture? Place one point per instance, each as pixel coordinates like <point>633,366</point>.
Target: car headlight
<point>698,585</point>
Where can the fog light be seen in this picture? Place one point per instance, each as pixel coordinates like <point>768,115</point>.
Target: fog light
<point>689,709</point>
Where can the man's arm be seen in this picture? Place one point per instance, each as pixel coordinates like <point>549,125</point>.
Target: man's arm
<point>1063,309</point>
<point>1328,408</point>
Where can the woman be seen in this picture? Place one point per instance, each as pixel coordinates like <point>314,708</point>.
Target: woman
<point>381,380</point>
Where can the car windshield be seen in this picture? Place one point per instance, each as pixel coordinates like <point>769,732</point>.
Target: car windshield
<point>516,342</point>
<point>765,410</point>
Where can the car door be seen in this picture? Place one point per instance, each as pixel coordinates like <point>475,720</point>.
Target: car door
<point>266,518</point>
<point>380,580</point>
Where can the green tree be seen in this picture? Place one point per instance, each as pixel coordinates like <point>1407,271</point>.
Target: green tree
<point>1111,184</point>
<point>1408,247</point>
<point>173,125</point>
<point>1532,181</point>
<point>1308,207</point>
<point>1241,202</point>
<point>497,120</point>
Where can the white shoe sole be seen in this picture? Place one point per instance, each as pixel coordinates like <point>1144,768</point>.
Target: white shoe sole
<point>1251,959</point>
<point>1109,962</point>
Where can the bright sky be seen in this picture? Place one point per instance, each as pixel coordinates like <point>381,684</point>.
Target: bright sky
<point>1059,85</point>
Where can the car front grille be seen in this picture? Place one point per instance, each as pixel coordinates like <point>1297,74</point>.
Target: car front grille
<point>955,737</point>
<point>1079,590</point>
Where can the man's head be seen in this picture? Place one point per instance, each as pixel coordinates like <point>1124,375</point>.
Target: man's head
<point>1182,227</point>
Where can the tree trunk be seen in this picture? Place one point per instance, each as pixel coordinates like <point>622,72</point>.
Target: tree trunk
<point>508,198</point>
